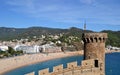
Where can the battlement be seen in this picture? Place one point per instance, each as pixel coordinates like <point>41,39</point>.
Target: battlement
<point>87,68</point>
<point>94,37</point>
<point>94,58</point>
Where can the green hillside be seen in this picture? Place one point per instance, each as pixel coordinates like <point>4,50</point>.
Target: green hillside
<point>113,38</point>
<point>18,33</point>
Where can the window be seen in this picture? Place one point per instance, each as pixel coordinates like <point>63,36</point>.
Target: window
<point>96,63</point>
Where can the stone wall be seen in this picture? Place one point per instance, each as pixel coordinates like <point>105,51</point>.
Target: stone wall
<point>94,45</point>
<point>94,48</point>
<point>94,58</point>
<point>87,68</point>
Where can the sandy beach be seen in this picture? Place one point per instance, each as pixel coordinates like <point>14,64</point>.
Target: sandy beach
<point>27,59</point>
<point>112,51</point>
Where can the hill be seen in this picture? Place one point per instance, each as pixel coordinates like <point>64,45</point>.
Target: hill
<point>113,38</point>
<point>18,33</point>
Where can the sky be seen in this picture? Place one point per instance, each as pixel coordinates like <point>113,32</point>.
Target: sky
<point>98,14</point>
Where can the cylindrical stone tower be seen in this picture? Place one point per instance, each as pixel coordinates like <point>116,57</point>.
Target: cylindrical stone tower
<point>94,48</point>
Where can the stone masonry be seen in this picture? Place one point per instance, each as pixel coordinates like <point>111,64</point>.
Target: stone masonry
<point>94,48</point>
<point>94,58</point>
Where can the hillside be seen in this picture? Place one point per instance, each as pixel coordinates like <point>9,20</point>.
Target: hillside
<point>10,33</point>
<point>113,38</point>
<point>18,33</point>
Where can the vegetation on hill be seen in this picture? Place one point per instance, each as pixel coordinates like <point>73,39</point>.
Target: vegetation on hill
<point>113,38</point>
<point>18,33</point>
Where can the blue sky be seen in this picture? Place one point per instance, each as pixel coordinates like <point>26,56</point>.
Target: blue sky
<point>99,14</point>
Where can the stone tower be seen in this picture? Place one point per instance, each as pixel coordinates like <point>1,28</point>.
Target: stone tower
<point>94,48</point>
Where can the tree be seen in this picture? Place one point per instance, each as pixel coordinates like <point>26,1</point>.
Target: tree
<point>11,51</point>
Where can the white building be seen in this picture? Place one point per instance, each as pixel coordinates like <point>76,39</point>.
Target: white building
<point>109,47</point>
<point>3,48</point>
<point>27,49</point>
<point>50,48</point>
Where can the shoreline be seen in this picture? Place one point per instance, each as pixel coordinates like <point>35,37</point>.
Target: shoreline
<point>9,64</point>
<point>24,60</point>
<point>112,51</point>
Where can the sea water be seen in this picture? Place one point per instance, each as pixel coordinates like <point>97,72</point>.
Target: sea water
<point>112,65</point>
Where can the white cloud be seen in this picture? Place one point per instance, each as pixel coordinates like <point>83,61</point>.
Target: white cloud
<point>60,11</point>
<point>49,10</point>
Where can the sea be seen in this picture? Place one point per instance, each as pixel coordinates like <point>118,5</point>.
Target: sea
<point>112,66</point>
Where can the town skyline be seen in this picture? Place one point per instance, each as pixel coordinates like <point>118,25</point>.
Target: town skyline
<point>99,15</point>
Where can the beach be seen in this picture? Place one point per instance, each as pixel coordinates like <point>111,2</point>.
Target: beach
<point>12,63</point>
<point>8,64</point>
<point>111,51</point>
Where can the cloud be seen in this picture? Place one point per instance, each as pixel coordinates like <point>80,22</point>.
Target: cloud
<point>52,10</point>
<point>67,11</point>
<point>37,6</point>
<point>21,5</point>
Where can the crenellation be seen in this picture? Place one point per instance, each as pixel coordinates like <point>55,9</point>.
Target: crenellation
<point>94,37</point>
<point>32,73</point>
<point>58,68</point>
<point>94,40</point>
<point>72,69</point>
<point>94,48</point>
<point>44,72</point>
<point>88,63</point>
<point>72,65</point>
<point>94,58</point>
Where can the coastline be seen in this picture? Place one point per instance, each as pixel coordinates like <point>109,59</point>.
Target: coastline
<point>112,51</point>
<point>9,64</point>
<point>12,63</point>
